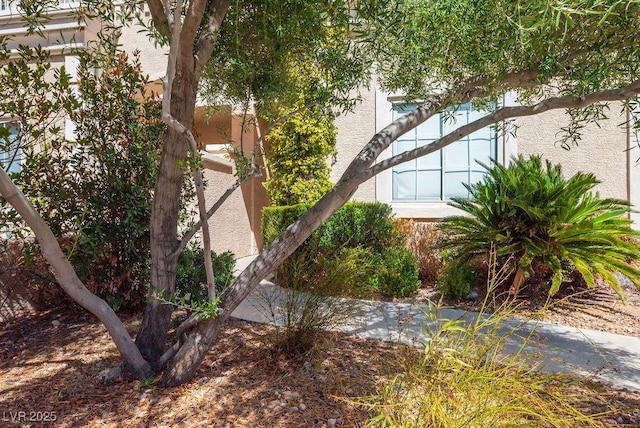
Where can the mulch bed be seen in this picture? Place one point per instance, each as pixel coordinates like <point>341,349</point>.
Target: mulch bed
<point>51,366</point>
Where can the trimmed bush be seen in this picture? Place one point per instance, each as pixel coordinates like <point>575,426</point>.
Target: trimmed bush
<point>357,252</point>
<point>530,215</point>
<point>355,224</point>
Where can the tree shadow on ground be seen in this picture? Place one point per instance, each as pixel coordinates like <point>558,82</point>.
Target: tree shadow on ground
<point>51,367</point>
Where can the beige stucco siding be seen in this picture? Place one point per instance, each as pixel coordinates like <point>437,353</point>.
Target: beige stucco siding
<point>354,132</point>
<point>601,151</point>
<point>153,59</point>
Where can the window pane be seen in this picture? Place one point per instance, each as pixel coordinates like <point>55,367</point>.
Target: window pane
<point>404,185</point>
<point>403,145</point>
<point>457,156</point>
<point>430,129</point>
<point>480,150</point>
<point>476,176</point>
<point>452,166</point>
<point>430,161</point>
<point>10,153</point>
<point>429,186</point>
<point>453,184</point>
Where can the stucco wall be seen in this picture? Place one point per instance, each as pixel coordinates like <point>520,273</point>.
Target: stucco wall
<point>602,150</point>
<point>233,226</point>
<point>236,225</point>
<point>354,131</point>
<point>153,59</point>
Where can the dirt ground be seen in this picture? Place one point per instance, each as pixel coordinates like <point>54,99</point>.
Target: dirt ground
<point>51,367</point>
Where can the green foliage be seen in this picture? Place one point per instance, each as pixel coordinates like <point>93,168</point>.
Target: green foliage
<point>276,219</point>
<point>297,158</point>
<point>95,192</point>
<point>457,280</point>
<point>528,211</point>
<point>360,224</point>
<point>191,276</point>
<point>285,54</point>
<point>398,272</point>
<point>355,224</point>
<point>356,252</point>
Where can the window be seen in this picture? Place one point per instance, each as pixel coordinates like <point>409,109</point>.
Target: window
<point>441,175</point>
<point>10,153</point>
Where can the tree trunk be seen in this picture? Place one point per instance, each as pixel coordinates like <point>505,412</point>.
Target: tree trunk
<point>152,336</point>
<point>184,364</point>
<point>69,281</point>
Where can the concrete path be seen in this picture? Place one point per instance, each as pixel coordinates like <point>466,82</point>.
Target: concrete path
<point>606,357</point>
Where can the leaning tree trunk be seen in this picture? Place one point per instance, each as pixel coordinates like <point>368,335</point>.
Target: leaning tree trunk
<point>152,336</point>
<point>184,364</point>
<point>69,281</point>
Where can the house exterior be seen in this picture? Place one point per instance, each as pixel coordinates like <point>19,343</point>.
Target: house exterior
<point>609,150</point>
<point>418,189</point>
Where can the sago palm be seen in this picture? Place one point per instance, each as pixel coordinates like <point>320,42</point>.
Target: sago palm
<point>530,212</point>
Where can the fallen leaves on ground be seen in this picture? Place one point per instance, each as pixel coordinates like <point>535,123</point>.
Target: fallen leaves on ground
<point>52,363</point>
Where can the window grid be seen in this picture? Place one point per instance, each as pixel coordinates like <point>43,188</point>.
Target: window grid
<point>439,175</point>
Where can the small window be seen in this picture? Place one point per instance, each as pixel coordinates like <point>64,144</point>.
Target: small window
<point>10,152</point>
<point>441,175</point>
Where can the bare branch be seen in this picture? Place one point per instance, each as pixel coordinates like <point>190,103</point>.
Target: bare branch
<point>253,173</point>
<point>199,184</point>
<point>187,324</point>
<point>504,113</point>
<point>169,353</point>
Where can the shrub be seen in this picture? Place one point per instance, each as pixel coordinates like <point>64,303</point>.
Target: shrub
<point>530,212</point>
<point>275,220</point>
<point>95,192</point>
<point>423,239</point>
<point>297,158</point>
<point>457,280</point>
<point>398,272</point>
<point>353,272</point>
<point>191,276</point>
<point>355,224</point>
<point>358,247</point>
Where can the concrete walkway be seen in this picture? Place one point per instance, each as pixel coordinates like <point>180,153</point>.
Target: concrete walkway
<point>606,357</point>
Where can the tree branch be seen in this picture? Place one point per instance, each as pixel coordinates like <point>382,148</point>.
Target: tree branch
<point>197,178</point>
<point>253,173</point>
<point>161,16</point>
<point>204,46</point>
<point>504,113</point>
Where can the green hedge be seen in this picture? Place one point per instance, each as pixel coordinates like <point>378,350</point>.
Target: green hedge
<point>365,224</point>
<point>357,252</point>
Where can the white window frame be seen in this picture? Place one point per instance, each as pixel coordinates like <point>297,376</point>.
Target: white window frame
<point>4,156</point>
<point>428,210</point>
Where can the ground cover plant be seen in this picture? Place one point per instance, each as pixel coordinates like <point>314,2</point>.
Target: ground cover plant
<point>534,217</point>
